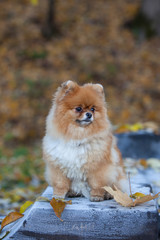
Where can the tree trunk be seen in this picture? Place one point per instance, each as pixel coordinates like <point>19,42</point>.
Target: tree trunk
<point>50,28</point>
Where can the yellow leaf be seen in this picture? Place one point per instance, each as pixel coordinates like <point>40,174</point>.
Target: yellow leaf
<point>25,206</point>
<point>34,2</point>
<point>16,198</point>
<point>11,217</point>
<point>122,128</point>
<point>135,127</point>
<point>125,200</point>
<point>58,206</point>
<point>128,127</point>
<point>143,162</point>
<point>137,195</point>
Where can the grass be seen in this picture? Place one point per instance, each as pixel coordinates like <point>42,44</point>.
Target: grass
<point>33,54</point>
<point>21,175</point>
<point>19,166</point>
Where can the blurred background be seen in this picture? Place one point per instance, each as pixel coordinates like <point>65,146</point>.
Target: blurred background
<point>44,43</point>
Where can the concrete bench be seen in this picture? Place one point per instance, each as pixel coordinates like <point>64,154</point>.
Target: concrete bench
<point>89,220</point>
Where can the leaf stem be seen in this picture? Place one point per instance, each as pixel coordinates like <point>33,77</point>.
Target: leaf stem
<point>130,185</point>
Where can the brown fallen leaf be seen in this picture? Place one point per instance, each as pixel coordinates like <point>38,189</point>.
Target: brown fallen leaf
<point>146,198</point>
<point>125,200</point>
<point>11,217</point>
<point>58,206</point>
<point>143,162</point>
<point>120,197</point>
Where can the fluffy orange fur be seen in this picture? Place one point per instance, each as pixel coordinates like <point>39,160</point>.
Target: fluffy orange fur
<point>98,160</point>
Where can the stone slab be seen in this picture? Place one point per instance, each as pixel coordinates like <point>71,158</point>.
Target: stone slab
<point>139,144</point>
<point>89,220</point>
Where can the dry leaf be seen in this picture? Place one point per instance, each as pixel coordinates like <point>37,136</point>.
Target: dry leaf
<point>125,200</point>
<point>58,206</point>
<point>129,128</point>
<point>147,198</point>
<point>143,162</point>
<point>25,206</point>
<point>11,217</point>
<point>120,197</point>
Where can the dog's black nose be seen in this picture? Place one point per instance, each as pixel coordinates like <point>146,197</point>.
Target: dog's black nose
<point>89,115</point>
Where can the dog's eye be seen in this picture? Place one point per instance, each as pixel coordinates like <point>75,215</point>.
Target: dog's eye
<point>92,109</point>
<point>78,109</point>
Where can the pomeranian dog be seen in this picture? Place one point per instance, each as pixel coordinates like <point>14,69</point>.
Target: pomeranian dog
<point>79,149</point>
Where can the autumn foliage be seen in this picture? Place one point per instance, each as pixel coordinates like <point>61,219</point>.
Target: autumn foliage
<point>92,46</point>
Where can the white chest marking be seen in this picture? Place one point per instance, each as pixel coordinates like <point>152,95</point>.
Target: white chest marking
<point>70,156</point>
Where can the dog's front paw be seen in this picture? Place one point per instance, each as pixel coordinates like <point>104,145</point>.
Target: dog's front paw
<point>72,194</point>
<point>58,196</point>
<point>59,193</point>
<point>96,198</point>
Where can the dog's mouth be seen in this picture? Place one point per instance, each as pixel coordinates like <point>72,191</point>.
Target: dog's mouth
<point>84,121</point>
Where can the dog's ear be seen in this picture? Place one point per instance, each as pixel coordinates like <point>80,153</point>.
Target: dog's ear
<point>69,86</point>
<point>99,88</point>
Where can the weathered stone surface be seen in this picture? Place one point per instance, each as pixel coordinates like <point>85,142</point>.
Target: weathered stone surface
<point>87,220</point>
<point>139,144</point>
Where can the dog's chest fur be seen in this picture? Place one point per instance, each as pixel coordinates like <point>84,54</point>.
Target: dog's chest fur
<point>72,157</point>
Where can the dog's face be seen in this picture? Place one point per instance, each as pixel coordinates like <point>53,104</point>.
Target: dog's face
<point>80,110</point>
